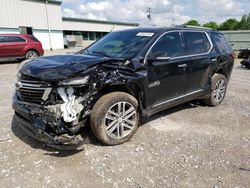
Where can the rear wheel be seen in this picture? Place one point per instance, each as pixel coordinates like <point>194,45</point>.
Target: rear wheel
<point>31,54</point>
<point>114,118</point>
<point>219,87</point>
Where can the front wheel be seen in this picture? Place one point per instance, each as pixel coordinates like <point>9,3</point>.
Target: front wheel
<point>219,88</point>
<point>114,118</point>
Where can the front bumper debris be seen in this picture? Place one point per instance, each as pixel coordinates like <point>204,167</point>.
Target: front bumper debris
<point>31,118</point>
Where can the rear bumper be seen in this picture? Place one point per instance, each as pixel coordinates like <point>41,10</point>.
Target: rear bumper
<point>30,117</point>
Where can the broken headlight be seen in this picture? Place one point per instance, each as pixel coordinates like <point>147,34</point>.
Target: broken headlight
<point>75,81</point>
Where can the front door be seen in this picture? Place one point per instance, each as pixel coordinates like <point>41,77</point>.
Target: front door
<point>167,77</point>
<point>3,50</point>
<point>14,46</point>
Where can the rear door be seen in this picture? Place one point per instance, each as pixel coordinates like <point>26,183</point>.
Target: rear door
<point>14,46</point>
<point>197,50</point>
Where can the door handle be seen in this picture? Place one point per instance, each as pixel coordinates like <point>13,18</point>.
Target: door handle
<point>213,59</point>
<point>182,65</point>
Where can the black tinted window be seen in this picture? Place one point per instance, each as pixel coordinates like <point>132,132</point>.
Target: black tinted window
<point>2,39</point>
<point>14,39</point>
<point>222,44</point>
<point>33,38</point>
<point>196,43</point>
<point>169,45</point>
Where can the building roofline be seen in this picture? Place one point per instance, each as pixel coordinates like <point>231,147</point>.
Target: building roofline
<point>236,31</point>
<point>99,21</point>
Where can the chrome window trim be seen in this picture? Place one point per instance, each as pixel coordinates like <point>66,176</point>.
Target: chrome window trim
<point>181,31</point>
<point>179,97</point>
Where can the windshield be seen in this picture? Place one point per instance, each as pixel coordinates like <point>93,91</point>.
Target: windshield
<point>125,44</point>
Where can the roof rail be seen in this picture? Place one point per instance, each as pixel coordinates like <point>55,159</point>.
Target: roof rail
<point>195,27</point>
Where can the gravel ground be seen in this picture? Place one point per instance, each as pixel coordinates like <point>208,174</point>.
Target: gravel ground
<point>186,146</point>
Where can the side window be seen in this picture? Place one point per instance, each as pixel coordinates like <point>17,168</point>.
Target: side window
<point>14,39</point>
<point>33,38</point>
<point>2,39</point>
<point>221,43</point>
<point>169,45</point>
<point>196,43</point>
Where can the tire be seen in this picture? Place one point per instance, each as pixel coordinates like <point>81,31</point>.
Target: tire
<point>219,88</point>
<point>110,127</point>
<point>31,54</point>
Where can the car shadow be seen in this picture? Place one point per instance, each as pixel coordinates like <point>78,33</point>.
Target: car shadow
<point>10,62</point>
<point>21,135</point>
<point>169,111</point>
<point>87,134</point>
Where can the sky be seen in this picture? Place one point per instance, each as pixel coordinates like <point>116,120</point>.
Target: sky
<point>164,12</point>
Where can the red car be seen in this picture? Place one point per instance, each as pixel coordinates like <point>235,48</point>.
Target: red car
<point>20,46</point>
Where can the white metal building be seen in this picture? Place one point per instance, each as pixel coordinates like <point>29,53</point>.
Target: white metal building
<point>239,39</point>
<point>43,19</point>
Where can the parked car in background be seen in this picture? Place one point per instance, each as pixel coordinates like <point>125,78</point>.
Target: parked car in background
<point>20,46</point>
<point>122,77</point>
<point>244,53</point>
<point>246,63</point>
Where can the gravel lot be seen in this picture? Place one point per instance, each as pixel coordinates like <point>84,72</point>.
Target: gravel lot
<point>186,146</point>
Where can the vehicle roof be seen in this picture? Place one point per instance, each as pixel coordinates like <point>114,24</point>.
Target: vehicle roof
<point>14,34</point>
<point>165,29</point>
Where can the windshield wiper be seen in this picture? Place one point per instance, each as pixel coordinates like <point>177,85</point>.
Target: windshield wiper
<point>101,53</point>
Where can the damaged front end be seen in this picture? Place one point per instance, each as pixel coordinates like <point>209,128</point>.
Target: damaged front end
<point>54,111</point>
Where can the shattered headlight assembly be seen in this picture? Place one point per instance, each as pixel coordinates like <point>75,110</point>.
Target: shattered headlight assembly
<point>75,81</point>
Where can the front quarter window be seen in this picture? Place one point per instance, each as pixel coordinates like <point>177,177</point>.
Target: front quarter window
<point>123,44</point>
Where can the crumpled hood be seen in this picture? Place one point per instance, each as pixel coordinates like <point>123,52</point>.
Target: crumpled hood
<point>59,67</point>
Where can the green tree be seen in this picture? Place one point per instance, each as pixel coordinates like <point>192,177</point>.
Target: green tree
<point>192,22</point>
<point>230,24</point>
<point>212,25</point>
<point>244,23</point>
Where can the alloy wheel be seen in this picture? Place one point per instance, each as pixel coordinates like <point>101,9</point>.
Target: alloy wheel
<point>120,120</point>
<point>219,91</point>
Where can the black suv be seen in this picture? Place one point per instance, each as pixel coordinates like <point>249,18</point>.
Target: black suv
<point>119,79</point>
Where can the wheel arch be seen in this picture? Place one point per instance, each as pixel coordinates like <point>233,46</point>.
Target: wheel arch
<point>220,71</point>
<point>131,89</point>
<point>32,49</point>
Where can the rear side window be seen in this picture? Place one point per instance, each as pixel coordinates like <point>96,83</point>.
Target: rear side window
<point>169,45</point>
<point>196,43</point>
<point>33,38</point>
<point>221,43</point>
<point>14,39</point>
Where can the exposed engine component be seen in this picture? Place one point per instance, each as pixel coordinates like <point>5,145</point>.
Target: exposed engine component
<point>71,107</point>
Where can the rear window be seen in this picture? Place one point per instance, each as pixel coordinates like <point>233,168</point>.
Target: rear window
<point>33,38</point>
<point>14,39</point>
<point>196,43</point>
<point>221,43</point>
